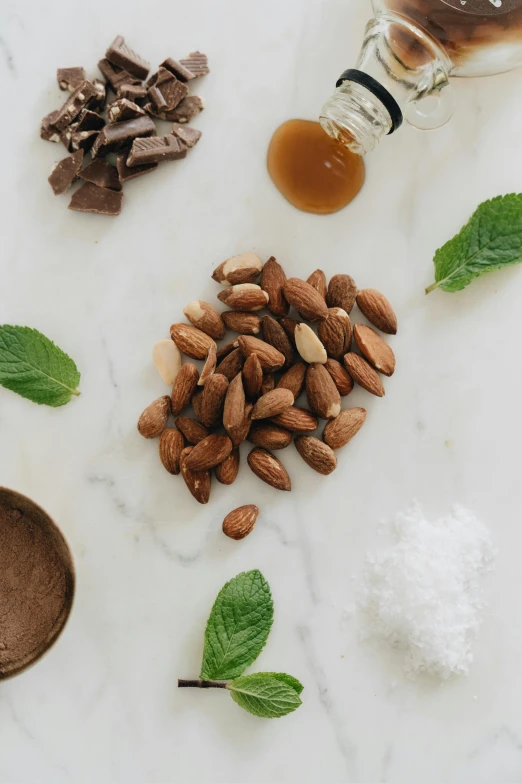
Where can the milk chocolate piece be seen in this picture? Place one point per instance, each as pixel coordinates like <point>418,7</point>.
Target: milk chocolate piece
<point>125,172</point>
<point>123,109</point>
<point>101,173</point>
<point>88,120</point>
<point>120,134</point>
<point>167,92</point>
<point>83,140</point>
<point>197,63</point>
<point>74,104</point>
<point>190,136</point>
<point>180,71</point>
<point>64,172</point>
<point>70,78</point>
<point>97,103</point>
<point>92,198</point>
<point>185,111</point>
<point>116,76</point>
<point>47,130</point>
<point>121,55</point>
<point>156,149</point>
<point>133,92</point>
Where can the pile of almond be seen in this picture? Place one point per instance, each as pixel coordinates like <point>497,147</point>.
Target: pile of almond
<point>246,389</point>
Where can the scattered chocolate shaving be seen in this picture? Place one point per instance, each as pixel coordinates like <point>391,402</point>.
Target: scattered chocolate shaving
<point>133,92</point>
<point>123,109</point>
<point>47,130</point>
<point>197,63</point>
<point>92,198</point>
<point>190,136</point>
<point>156,149</point>
<point>180,71</point>
<point>117,135</point>
<point>125,172</point>
<point>70,78</point>
<point>65,172</point>
<point>123,56</point>
<point>74,104</point>
<point>97,102</point>
<point>187,110</point>
<point>101,173</point>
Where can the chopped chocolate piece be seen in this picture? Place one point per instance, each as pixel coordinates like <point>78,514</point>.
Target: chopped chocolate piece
<point>47,130</point>
<point>157,98</point>
<point>188,135</point>
<point>91,198</point>
<point>125,172</point>
<point>121,55</point>
<point>116,76</point>
<point>123,109</point>
<point>101,173</point>
<point>83,140</point>
<point>156,149</point>
<point>88,120</point>
<point>120,134</point>
<point>167,92</point>
<point>186,110</point>
<point>70,78</point>
<point>97,103</point>
<point>179,70</point>
<point>197,63</point>
<point>64,172</point>
<point>74,104</point>
<point>133,92</point>
<point>151,81</point>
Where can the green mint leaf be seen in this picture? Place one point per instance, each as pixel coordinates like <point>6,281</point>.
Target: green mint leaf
<point>266,694</point>
<point>238,626</point>
<point>491,239</point>
<point>34,367</point>
<point>288,679</point>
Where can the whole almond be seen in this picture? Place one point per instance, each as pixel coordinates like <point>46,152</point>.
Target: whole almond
<point>184,387</point>
<point>293,379</point>
<point>336,332</point>
<point>240,522</point>
<point>234,408</point>
<point>339,376</point>
<point>376,308</point>
<point>208,403</point>
<point>246,296</point>
<point>226,471</point>
<point>269,469</point>
<point>268,384</point>
<point>252,376</point>
<point>154,418</point>
<point>225,350</point>
<point>275,335</point>
<point>269,357</point>
<point>317,454</point>
<point>192,429</point>
<point>209,366</point>
<point>341,292</point>
<point>309,345</point>
<point>321,392</point>
<point>242,433</point>
<point>374,349</point>
<point>272,403</point>
<point>171,444</point>
<point>231,364</point>
<point>305,299</point>
<point>244,323</point>
<point>297,420</point>
<point>243,268</point>
<point>197,481</point>
<point>318,281</point>
<point>269,435</point>
<point>191,341</point>
<point>209,452</point>
<point>342,429</point>
<point>363,374</point>
<point>289,325</point>
<point>273,280</point>
<point>203,316</point>
<point>167,359</point>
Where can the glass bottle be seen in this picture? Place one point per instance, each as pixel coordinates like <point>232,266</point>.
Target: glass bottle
<point>410,49</point>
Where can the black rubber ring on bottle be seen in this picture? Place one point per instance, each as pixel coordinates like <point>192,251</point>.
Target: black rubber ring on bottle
<point>380,92</point>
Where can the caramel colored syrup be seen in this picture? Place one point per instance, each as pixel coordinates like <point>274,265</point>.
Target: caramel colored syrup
<point>312,171</point>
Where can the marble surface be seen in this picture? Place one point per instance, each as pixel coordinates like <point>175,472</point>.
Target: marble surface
<point>103,705</point>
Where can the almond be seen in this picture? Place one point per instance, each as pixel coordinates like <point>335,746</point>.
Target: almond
<point>317,454</point>
<point>318,281</point>
<point>231,364</point>
<point>197,481</point>
<point>289,325</point>
<point>244,323</point>
<point>339,376</point>
<point>269,469</point>
<point>305,299</point>
<point>374,349</point>
<point>269,436</point>
<point>341,292</point>
<point>171,444</point>
<point>203,316</point>
<point>225,350</point>
<point>242,433</point>
<point>208,367</point>
<point>293,379</point>
<point>269,357</point>
<point>240,522</point>
<point>273,280</point>
<point>272,403</point>
<point>246,296</point>
<point>154,418</point>
<point>268,384</point>
<point>234,409</point>
<point>296,420</point>
<point>321,391</point>
<point>191,341</point>
<point>209,452</point>
<point>192,429</point>
<point>363,374</point>
<point>244,268</point>
<point>208,403</point>
<point>336,332</point>
<point>226,471</point>
<point>167,359</point>
<point>342,429</point>
<point>275,335</point>
<point>309,345</point>
<point>184,387</point>
<point>252,376</point>
<point>376,308</point>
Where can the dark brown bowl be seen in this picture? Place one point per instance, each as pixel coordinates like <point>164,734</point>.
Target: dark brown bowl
<point>37,581</point>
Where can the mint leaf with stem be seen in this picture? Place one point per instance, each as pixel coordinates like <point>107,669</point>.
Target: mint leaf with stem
<point>266,694</point>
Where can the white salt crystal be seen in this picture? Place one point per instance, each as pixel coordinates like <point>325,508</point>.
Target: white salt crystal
<point>423,595</point>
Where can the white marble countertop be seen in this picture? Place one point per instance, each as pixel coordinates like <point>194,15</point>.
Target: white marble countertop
<point>103,705</point>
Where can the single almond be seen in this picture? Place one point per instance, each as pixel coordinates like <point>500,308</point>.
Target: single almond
<point>339,376</point>
<point>203,316</point>
<point>342,429</point>
<point>296,419</point>
<point>240,522</point>
<point>252,376</point>
<point>363,374</point>
<point>374,349</point>
<point>184,387</point>
<point>306,300</point>
<point>272,403</point>
<point>208,403</point>
<point>309,345</point>
<point>269,357</point>
<point>269,436</point>
<point>192,429</point>
<point>275,335</point>
<point>208,367</point>
<point>154,418</point>
<point>376,308</point>
<point>289,325</point>
<point>231,364</point>
<point>244,323</point>
<point>317,454</point>
<point>341,292</point>
<point>318,281</point>
<point>293,379</point>
<point>269,469</point>
<point>191,341</point>
<point>197,481</point>
<point>241,434</point>
<point>171,444</point>
<point>167,359</point>
<point>234,408</point>
<point>225,350</point>
<point>268,384</point>
<point>243,268</point>
<point>246,296</point>
<point>273,280</point>
<point>336,332</point>
<point>321,392</point>
<point>209,452</point>
<point>226,471</point>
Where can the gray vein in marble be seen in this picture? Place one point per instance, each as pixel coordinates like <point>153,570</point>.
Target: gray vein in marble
<point>504,732</point>
<point>8,57</point>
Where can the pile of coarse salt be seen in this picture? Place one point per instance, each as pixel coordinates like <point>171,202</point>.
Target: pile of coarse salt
<point>423,595</point>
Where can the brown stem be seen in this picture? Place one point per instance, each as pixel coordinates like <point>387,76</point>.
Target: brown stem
<point>201,684</point>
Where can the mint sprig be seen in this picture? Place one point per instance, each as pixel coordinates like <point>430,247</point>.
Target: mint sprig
<point>491,239</point>
<point>236,632</point>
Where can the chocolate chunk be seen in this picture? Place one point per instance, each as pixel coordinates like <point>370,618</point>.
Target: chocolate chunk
<point>167,92</point>
<point>88,120</point>
<point>156,149</point>
<point>91,198</point>
<point>188,135</point>
<point>116,76</point>
<point>120,134</point>
<point>179,70</point>
<point>197,63</point>
<point>123,109</point>
<point>125,172</point>
<point>97,103</point>
<point>121,55</point>
<point>47,130</point>
<point>83,140</point>
<point>70,78</point>
<point>74,104</point>
<point>101,173</point>
<point>186,110</point>
<point>133,92</point>
<point>157,98</point>
<point>64,172</point>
